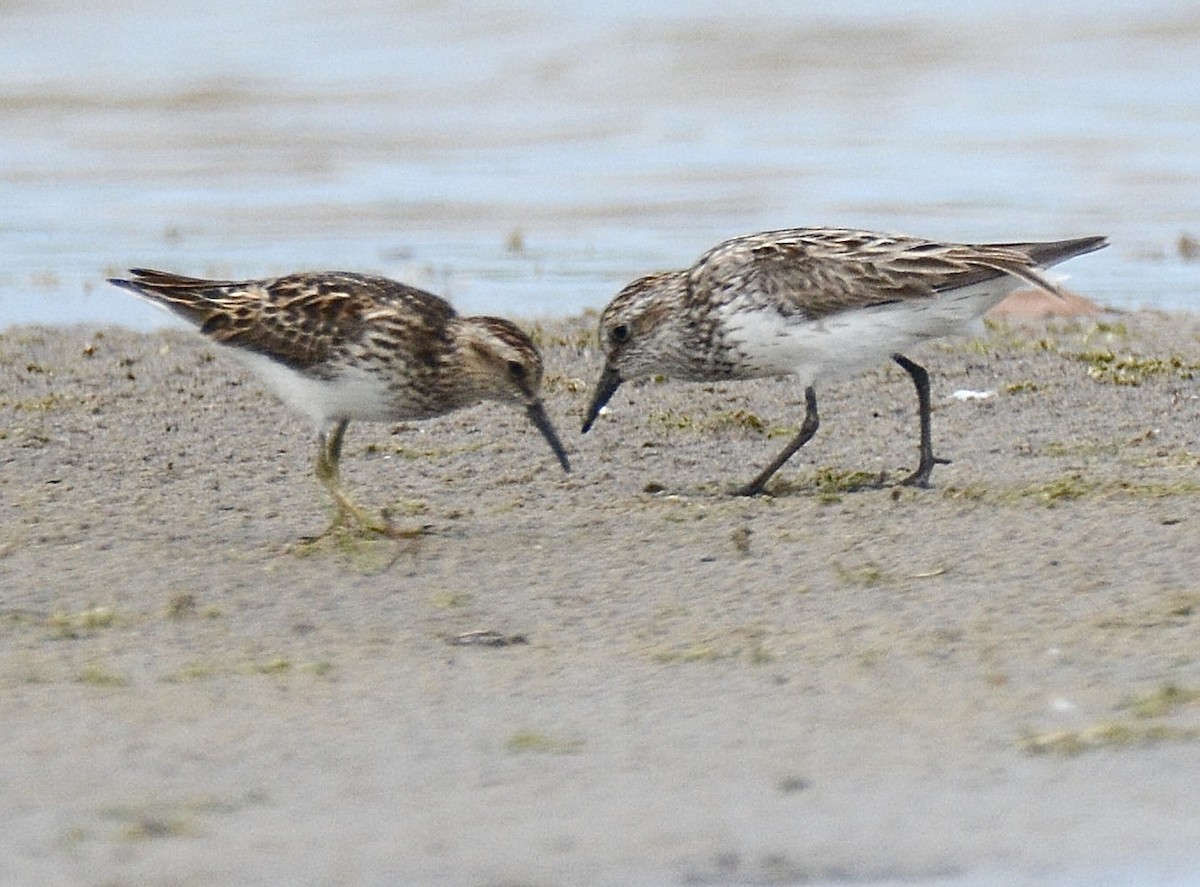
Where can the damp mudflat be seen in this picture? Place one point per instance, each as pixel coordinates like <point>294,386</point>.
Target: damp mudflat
<point>621,675</point>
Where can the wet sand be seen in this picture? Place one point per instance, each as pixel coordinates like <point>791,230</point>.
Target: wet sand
<point>997,677</point>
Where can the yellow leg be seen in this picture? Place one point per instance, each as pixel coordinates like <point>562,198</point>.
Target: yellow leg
<point>329,452</point>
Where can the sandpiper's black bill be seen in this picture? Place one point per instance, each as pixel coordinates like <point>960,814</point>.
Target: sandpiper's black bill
<point>610,381</point>
<point>537,415</point>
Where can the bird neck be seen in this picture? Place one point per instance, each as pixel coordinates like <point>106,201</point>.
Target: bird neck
<point>681,336</point>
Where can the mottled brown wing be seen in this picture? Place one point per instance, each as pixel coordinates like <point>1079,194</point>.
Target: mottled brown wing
<point>818,272</point>
<point>299,320</point>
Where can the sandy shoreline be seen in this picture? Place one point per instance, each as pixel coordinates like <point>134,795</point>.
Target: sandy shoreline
<point>825,684</point>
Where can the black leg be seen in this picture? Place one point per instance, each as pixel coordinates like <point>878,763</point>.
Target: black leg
<point>807,430</point>
<point>920,477</point>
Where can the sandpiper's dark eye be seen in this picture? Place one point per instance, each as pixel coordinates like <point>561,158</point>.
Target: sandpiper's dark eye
<point>516,369</point>
<point>619,333</point>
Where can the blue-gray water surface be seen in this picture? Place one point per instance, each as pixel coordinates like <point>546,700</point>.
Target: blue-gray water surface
<point>529,157</point>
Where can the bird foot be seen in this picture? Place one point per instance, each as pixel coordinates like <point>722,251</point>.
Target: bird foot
<point>353,522</point>
<point>920,477</point>
<point>750,490</point>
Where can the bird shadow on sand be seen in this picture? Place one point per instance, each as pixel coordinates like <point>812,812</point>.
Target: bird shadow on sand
<point>829,484</point>
<point>825,484</point>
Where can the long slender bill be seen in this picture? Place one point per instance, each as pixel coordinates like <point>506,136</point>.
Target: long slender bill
<point>610,381</point>
<point>537,415</point>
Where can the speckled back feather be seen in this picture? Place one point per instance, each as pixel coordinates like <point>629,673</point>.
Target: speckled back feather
<point>817,272</point>
<point>300,320</point>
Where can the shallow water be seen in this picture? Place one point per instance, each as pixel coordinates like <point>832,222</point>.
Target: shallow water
<point>528,158</point>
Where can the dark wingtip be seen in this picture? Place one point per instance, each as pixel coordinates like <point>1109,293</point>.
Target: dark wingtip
<point>1085,245</point>
<point>1053,252</point>
<point>137,277</point>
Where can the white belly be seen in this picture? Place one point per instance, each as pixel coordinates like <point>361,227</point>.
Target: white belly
<point>352,395</point>
<point>842,344</point>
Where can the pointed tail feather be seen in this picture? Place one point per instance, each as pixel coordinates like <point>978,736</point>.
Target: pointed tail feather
<point>1055,251</point>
